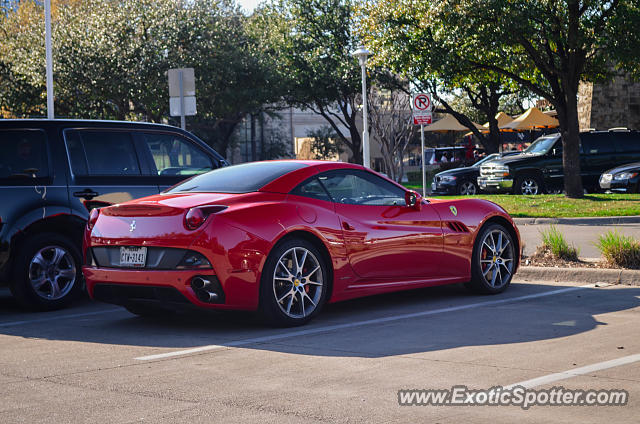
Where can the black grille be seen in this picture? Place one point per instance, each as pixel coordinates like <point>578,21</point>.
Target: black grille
<point>121,294</point>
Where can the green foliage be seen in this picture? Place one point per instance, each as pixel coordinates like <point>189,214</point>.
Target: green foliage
<point>619,250</point>
<point>554,241</point>
<point>324,143</point>
<point>111,59</point>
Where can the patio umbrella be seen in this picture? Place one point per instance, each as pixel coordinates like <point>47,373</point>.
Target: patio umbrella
<point>530,120</point>
<point>449,123</point>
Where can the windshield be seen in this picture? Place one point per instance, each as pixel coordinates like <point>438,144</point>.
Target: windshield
<point>486,159</point>
<point>243,178</point>
<point>542,145</point>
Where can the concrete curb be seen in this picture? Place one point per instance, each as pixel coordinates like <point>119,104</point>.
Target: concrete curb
<point>605,220</point>
<point>629,277</point>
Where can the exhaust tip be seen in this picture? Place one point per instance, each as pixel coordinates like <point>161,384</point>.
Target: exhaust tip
<point>199,283</point>
<point>207,289</point>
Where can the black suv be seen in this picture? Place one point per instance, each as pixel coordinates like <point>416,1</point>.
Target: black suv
<point>539,168</point>
<point>53,172</point>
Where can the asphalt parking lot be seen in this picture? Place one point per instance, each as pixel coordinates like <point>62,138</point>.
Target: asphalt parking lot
<point>98,363</point>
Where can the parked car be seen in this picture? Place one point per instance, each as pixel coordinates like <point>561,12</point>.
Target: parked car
<point>286,237</point>
<point>462,180</point>
<point>625,178</point>
<point>539,168</point>
<point>54,172</point>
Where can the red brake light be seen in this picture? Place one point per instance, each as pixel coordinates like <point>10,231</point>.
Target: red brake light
<point>195,217</point>
<point>93,217</point>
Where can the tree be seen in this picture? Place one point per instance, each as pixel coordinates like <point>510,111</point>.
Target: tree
<point>547,47</point>
<point>310,43</point>
<point>324,143</point>
<point>405,41</point>
<point>392,126</point>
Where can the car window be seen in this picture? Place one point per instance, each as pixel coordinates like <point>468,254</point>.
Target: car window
<point>24,155</point>
<point>173,155</point>
<point>102,152</point>
<point>312,188</point>
<point>627,142</point>
<point>361,188</point>
<point>595,144</point>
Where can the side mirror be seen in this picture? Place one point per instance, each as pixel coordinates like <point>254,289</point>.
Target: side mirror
<point>412,199</point>
<point>557,152</point>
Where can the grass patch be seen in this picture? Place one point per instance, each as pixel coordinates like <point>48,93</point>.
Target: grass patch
<point>553,240</point>
<point>619,250</point>
<point>559,206</point>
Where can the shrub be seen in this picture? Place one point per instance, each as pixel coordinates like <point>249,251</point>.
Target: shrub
<point>554,241</point>
<point>619,250</point>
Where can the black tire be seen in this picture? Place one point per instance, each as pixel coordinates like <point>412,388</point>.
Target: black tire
<point>481,274</point>
<point>51,260</point>
<point>467,188</point>
<point>528,185</point>
<point>295,287</point>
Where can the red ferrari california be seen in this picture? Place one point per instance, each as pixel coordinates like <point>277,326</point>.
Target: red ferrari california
<point>286,237</point>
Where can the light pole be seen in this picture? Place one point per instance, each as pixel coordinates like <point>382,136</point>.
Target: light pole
<point>362,54</point>
<point>49,60</point>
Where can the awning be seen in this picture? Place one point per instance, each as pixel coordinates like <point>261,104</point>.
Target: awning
<point>530,120</point>
<point>449,123</point>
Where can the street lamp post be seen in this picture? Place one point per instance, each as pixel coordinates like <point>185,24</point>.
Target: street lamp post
<point>362,54</point>
<point>49,60</point>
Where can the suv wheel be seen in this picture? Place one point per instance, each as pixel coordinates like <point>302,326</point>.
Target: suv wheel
<point>528,185</point>
<point>47,274</point>
<point>467,188</point>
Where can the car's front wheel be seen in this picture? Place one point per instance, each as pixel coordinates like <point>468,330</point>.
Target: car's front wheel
<point>294,283</point>
<point>467,188</point>
<point>493,260</point>
<point>529,185</point>
<point>47,273</point>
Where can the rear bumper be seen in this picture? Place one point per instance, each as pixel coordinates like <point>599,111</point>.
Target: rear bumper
<point>495,184</point>
<point>169,289</point>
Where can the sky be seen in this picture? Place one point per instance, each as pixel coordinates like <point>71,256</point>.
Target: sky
<point>248,5</point>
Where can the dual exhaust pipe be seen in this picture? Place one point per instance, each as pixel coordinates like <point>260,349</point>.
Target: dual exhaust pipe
<point>204,289</point>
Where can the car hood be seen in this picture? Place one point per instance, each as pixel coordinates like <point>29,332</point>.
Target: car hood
<point>520,158</point>
<point>459,171</point>
<point>622,168</point>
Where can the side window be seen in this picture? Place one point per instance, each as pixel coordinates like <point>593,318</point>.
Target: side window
<point>173,155</point>
<point>361,188</point>
<point>24,156</point>
<point>311,188</point>
<point>104,152</point>
<point>593,144</point>
<point>627,142</point>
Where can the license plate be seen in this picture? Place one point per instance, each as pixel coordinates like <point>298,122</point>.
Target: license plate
<point>133,256</point>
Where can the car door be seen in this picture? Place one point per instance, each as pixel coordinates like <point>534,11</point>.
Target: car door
<point>599,152</point>
<point>105,169</point>
<point>385,239</point>
<point>172,158</point>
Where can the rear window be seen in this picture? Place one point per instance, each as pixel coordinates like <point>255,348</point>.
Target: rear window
<point>24,156</point>
<point>243,178</point>
<point>103,152</point>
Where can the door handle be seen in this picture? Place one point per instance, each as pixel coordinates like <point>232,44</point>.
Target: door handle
<point>347,226</point>
<point>86,194</point>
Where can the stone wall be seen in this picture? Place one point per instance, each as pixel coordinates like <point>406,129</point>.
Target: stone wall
<point>609,105</point>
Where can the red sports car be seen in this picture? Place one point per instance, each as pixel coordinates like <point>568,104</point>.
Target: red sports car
<point>286,237</point>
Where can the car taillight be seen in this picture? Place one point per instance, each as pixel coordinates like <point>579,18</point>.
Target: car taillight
<point>195,217</point>
<point>93,217</point>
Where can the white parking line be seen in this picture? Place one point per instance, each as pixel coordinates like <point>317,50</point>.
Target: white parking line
<point>50,318</point>
<point>318,330</point>
<point>552,378</point>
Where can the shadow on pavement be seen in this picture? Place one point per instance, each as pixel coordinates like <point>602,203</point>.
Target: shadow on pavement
<point>542,318</point>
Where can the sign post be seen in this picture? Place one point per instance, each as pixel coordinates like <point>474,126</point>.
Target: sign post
<point>422,116</point>
<point>182,93</point>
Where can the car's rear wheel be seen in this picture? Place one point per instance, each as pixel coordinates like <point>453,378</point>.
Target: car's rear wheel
<point>294,283</point>
<point>47,273</point>
<point>529,185</point>
<point>493,260</point>
<point>467,188</point>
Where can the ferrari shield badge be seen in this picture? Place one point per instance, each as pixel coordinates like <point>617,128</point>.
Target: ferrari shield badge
<point>454,210</point>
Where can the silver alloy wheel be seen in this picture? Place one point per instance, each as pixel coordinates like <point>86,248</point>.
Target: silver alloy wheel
<point>529,186</point>
<point>298,282</point>
<point>467,188</point>
<point>52,272</point>
<point>496,258</point>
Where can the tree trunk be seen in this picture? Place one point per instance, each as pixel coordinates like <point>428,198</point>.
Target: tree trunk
<point>570,129</point>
